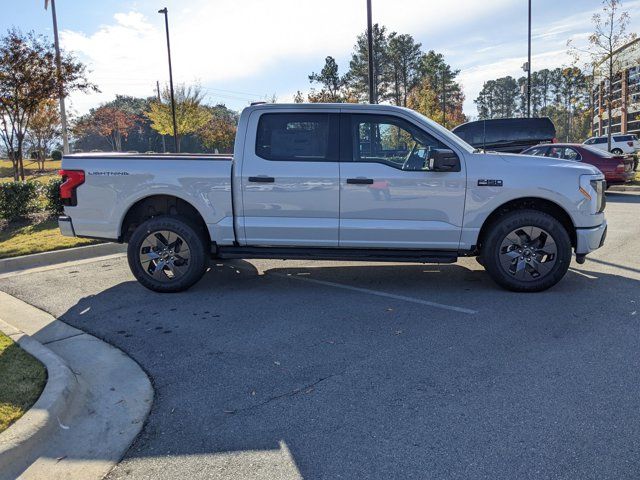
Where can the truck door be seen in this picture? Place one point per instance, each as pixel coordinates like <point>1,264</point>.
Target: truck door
<point>290,179</point>
<point>389,198</point>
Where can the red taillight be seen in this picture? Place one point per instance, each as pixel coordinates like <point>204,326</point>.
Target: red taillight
<point>554,140</point>
<point>630,144</point>
<point>71,179</point>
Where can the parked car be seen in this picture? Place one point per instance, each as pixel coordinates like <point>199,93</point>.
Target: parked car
<point>511,135</point>
<point>627,144</point>
<point>617,169</point>
<point>388,185</point>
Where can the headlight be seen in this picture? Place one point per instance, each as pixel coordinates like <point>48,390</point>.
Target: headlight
<point>598,187</point>
<point>593,190</point>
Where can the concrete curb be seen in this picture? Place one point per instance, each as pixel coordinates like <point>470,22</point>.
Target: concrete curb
<point>110,402</point>
<point>49,411</point>
<point>60,256</point>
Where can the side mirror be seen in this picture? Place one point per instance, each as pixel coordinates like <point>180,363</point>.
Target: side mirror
<point>443,160</point>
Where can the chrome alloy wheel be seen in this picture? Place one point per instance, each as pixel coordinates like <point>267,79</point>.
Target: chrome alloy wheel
<point>528,253</point>
<point>165,255</point>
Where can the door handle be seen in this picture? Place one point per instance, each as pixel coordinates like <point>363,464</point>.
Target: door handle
<point>360,181</point>
<point>262,179</point>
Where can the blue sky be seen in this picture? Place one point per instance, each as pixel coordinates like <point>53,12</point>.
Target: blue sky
<point>248,49</point>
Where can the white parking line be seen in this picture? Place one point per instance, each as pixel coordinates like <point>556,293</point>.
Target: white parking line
<point>379,293</point>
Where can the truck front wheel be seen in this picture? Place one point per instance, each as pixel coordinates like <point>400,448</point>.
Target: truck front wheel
<point>167,254</point>
<point>527,251</point>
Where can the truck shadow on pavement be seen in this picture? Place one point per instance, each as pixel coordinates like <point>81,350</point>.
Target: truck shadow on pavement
<point>269,373</point>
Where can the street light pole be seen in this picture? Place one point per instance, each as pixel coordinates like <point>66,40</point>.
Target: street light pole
<point>63,113</point>
<point>173,102</point>
<point>529,68</point>
<point>372,91</point>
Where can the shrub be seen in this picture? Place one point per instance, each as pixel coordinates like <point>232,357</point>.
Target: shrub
<point>18,199</point>
<point>56,155</point>
<point>51,192</point>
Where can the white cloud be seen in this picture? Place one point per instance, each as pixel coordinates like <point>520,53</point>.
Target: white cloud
<point>222,41</point>
<point>219,43</point>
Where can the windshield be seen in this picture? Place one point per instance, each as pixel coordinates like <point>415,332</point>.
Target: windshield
<point>598,151</point>
<point>448,134</point>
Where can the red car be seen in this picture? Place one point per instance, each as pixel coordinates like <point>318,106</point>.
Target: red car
<point>617,169</point>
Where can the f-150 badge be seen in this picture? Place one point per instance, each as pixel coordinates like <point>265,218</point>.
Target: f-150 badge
<point>489,183</point>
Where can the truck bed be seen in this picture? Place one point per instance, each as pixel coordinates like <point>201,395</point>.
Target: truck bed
<point>116,181</point>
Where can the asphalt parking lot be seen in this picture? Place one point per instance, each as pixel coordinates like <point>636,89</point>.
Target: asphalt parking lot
<point>272,369</point>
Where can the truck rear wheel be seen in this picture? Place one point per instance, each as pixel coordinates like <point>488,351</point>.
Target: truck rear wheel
<point>167,254</point>
<point>527,251</point>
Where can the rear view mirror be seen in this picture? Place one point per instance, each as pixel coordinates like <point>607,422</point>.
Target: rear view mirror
<point>443,160</point>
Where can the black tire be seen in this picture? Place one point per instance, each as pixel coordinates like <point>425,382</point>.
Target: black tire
<point>616,151</point>
<point>187,265</point>
<point>549,265</point>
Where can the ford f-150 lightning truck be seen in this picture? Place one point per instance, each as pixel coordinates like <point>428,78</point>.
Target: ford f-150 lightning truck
<point>338,182</point>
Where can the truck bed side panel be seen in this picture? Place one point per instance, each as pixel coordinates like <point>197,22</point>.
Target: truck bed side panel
<point>112,185</point>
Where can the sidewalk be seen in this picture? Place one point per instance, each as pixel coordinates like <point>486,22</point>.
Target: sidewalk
<point>104,413</point>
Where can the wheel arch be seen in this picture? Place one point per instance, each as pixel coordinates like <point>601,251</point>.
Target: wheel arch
<point>529,203</point>
<point>160,204</point>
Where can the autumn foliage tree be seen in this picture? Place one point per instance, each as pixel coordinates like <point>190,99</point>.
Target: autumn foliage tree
<point>111,123</point>
<point>28,76</point>
<point>191,115</point>
<point>219,132</point>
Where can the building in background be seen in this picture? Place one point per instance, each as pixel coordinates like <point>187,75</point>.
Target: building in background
<point>626,94</point>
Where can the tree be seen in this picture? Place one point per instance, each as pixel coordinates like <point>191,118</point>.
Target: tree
<point>561,94</point>
<point>191,116</point>
<point>603,55</point>
<point>358,75</point>
<point>28,76</point>
<point>141,138</point>
<point>424,99</point>
<point>331,82</point>
<point>498,98</point>
<point>220,131</point>
<point>403,73</point>
<point>44,129</point>
<point>109,122</point>
<point>443,81</point>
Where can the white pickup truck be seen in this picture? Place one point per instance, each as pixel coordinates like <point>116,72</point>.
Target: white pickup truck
<point>338,182</point>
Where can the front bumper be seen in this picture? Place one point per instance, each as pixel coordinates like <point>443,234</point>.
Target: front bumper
<point>66,226</point>
<point>590,239</point>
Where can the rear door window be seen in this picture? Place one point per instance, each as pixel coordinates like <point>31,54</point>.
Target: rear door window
<point>310,137</point>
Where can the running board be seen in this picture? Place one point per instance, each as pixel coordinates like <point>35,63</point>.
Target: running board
<point>341,254</point>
